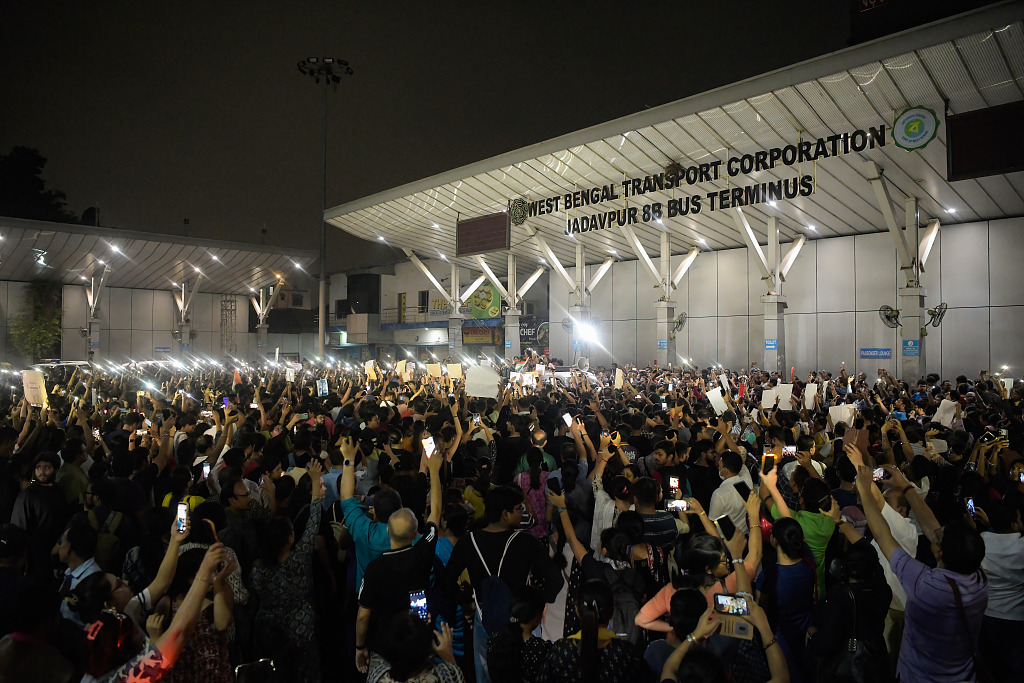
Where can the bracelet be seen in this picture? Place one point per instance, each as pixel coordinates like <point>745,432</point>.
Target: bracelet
<point>561,510</point>
<point>691,639</point>
<point>773,642</point>
<point>739,561</point>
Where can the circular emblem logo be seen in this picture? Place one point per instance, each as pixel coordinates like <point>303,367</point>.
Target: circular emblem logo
<point>915,128</point>
<point>517,211</point>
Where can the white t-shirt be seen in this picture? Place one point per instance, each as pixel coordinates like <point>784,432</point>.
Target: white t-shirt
<point>1004,566</point>
<point>905,533</point>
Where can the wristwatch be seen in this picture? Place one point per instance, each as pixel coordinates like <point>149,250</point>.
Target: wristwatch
<point>350,463</point>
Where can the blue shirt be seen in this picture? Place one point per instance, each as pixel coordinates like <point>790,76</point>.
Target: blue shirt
<point>370,537</point>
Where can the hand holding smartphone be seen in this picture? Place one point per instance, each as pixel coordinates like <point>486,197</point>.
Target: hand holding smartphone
<point>428,447</point>
<point>182,517</point>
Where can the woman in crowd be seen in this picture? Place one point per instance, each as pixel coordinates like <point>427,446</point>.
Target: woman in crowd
<point>514,654</point>
<point>594,653</point>
<point>282,579</point>
<point>533,482</point>
<point>789,591</point>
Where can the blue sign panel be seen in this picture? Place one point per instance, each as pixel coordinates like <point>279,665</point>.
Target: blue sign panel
<point>162,349</point>
<point>876,353</point>
<point>771,344</point>
<point>911,347</point>
<point>508,343</point>
<point>663,343</point>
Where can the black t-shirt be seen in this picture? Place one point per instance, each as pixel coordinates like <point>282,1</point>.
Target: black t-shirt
<point>510,451</point>
<point>390,578</point>
<point>703,482</point>
<point>526,556</point>
<point>642,445</point>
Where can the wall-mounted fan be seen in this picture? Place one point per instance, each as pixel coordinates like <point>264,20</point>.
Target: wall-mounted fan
<point>890,316</point>
<point>677,324</point>
<point>935,315</point>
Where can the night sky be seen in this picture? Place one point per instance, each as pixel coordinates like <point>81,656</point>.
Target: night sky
<point>160,111</point>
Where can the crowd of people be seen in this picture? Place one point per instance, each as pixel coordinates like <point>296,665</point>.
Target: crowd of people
<point>319,522</point>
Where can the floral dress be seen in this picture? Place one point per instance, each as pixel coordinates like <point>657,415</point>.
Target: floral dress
<point>286,617</point>
<point>205,655</point>
<point>537,502</point>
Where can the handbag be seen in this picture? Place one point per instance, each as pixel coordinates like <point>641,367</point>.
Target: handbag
<point>981,671</point>
<point>853,663</point>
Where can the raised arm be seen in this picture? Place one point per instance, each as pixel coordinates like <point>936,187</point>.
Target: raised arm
<point>769,480</point>
<point>558,502</point>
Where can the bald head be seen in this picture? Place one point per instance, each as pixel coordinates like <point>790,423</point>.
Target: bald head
<point>402,528</point>
<point>897,501</point>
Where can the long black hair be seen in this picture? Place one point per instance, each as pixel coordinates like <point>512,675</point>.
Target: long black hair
<point>504,649</point>
<point>697,562</point>
<point>534,458</point>
<point>595,604</point>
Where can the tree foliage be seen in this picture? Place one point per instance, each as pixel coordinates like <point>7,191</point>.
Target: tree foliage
<point>23,192</point>
<point>36,330</point>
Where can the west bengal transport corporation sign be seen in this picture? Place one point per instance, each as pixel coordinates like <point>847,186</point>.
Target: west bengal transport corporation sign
<point>632,209</point>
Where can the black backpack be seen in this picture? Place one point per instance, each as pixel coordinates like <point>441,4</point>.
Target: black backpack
<point>493,596</point>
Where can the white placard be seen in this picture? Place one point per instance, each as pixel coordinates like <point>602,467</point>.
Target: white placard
<point>289,375</point>
<point>35,387</point>
<point>768,398</point>
<point>454,370</point>
<point>277,354</point>
<point>717,402</point>
<point>434,369</point>
<point>810,391</point>
<point>843,413</point>
<point>945,413</point>
<point>1008,383</point>
<point>371,374</point>
<point>723,379</point>
<point>940,445</point>
<point>482,382</point>
<point>784,392</point>
<point>400,368</point>
<point>619,378</point>
<point>321,387</point>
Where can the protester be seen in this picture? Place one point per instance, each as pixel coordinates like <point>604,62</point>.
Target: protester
<point>330,563</point>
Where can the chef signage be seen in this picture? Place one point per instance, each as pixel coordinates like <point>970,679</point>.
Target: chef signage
<point>630,192</point>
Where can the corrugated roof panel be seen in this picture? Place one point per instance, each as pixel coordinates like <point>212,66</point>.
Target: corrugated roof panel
<point>951,77</point>
<point>1011,40</point>
<point>988,69</point>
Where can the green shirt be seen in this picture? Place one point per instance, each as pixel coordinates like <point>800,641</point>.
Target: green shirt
<point>818,528</point>
<point>73,483</point>
<point>524,466</point>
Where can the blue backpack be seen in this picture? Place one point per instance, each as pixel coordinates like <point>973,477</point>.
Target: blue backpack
<point>493,597</point>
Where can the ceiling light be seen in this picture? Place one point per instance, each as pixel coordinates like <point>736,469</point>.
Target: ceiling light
<point>435,225</point>
<point>115,249</point>
<point>812,228</point>
<point>772,203</point>
<point>174,284</point>
<point>950,210</point>
<point>381,238</point>
<point>100,261</point>
<point>659,221</point>
<point>197,269</point>
<point>214,257</point>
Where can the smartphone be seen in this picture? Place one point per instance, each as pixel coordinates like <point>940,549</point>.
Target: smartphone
<point>678,505</point>
<point>670,386</point>
<point>418,604</point>
<point>476,419</point>
<point>182,517</point>
<point>428,447</point>
<point>732,604</point>
<point>206,470</point>
<point>205,413</point>
<point>254,405</point>
<point>726,527</point>
<point>789,450</point>
<point>1004,433</point>
<point>880,474</point>
<point>767,463</point>
<point>742,489</point>
<point>664,406</point>
<point>969,502</point>
<point>1020,477</point>
<point>140,432</point>
<point>227,401</point>
<point>568,419</point>
<point>555,486</point>
<point>304,416</point>
<point>673,482</point>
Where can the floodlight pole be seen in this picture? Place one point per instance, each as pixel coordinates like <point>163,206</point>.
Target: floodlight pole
<point>330,70</point>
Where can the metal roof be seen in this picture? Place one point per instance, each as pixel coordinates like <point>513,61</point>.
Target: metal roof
<point>972,61</point>
<point>70,253</point>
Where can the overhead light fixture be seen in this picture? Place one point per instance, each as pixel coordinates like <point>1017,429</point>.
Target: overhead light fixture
<point>115,249</point>
<point>197,269</point>
<point>812,228</point>
<point>772,203</point>
<point>435,225</point>
<point>950,210</point>
<point>214,257</point>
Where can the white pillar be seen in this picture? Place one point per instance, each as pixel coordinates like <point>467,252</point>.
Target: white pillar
<point>455,317</point>
<point>513,344</point>
<point>775,334</point>
<point>666,342</point>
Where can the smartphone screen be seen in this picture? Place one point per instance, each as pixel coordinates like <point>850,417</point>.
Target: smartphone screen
<point>664,406</point>
<point>476,419</point>
<point>568,419</point>
<point>670,386</point>
<point>428,447</point>
<point>879,474</point>
<point>727,603</point>
<point>182,517</point>
<point>789,450</point>
<point>140,432</point>
<point>206,470</point>
<point>418,604</point>
<point>678,505</point>
<point>969,502</point>
<point>254,405</point>
<point>673,482</point>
